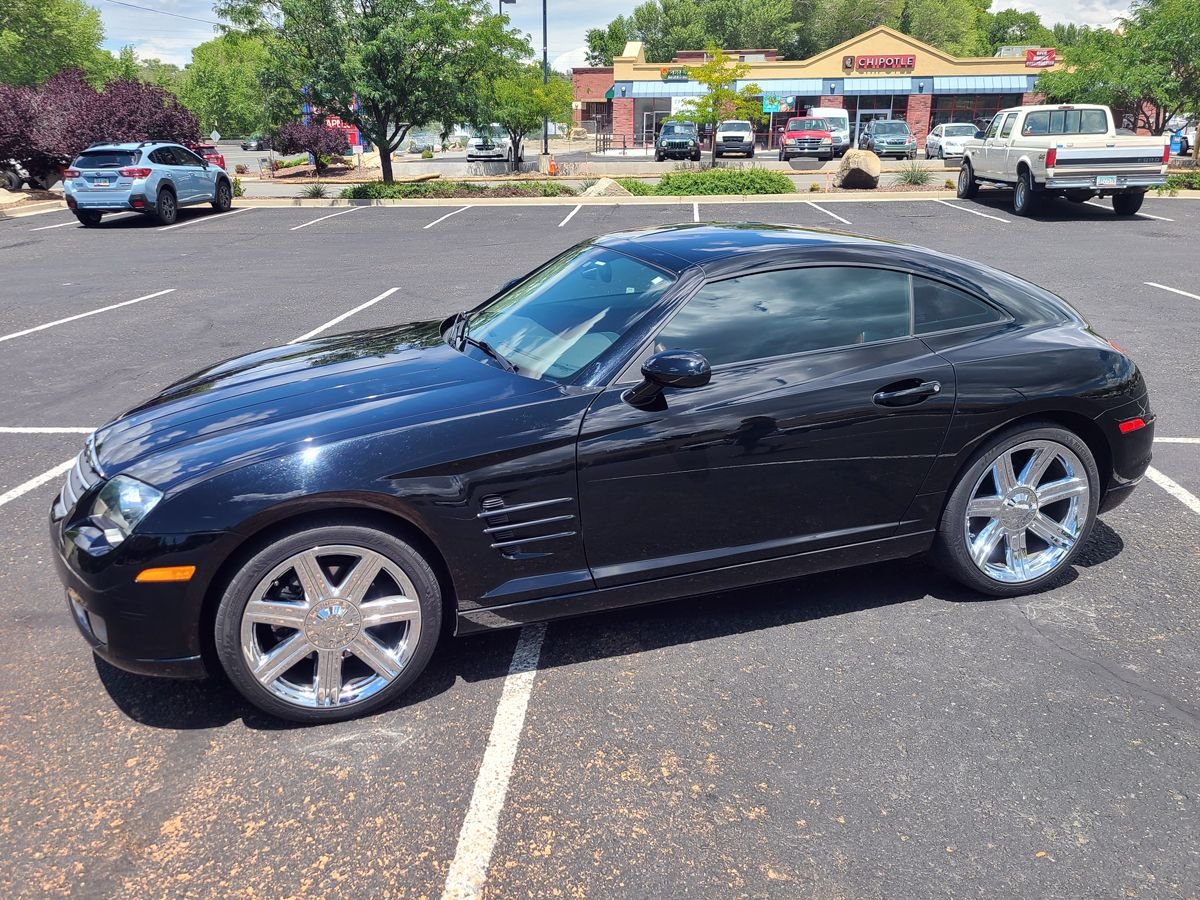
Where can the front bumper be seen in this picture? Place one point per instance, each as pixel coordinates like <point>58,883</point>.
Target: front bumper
<point>895,150</point>
<point>746,147</point>
<point>1089,182</point>
<point>149,629</point>
<point>798,150</point>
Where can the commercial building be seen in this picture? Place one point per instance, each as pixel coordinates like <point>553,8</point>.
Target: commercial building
<point>879,74</point>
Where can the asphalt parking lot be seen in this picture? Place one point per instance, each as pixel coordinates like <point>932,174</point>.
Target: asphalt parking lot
<point>878,732</point>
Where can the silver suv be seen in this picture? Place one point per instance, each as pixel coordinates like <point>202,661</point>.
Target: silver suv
<point>152,177</point>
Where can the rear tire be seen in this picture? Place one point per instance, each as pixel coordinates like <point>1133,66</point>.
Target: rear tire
<point>166,208</point>
<point>11,180</point>
<point>89,218</point>
<point>989,537</point>
<point>368,666</point>
<point>968,187</point>
<point>223,199</point>
<point>1025,200</point>
<point>1128,203</point>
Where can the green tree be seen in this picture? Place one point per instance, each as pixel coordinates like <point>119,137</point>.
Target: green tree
<point>1149,70</point>
<point>222,84</point>
<point>520,101</point>
<point>165,75</point>
<point>722,99</point>
<point>1011,27</point>
<point>125,65</point>
<point>384,65</point>
<point>605,43</point>
<point>840,20</point>
<point>1067,35</point>
<point>41,37</point>
<point>950,25</point>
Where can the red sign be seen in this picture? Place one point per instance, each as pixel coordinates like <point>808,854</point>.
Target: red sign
<point>1041,59</point>
<point>899,61</point>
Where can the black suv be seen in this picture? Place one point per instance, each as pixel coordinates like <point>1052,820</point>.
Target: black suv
<point>678,140</point>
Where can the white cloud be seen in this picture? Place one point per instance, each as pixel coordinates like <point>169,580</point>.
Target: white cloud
<point>572,59</point>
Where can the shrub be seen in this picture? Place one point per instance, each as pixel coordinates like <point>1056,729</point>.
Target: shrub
<point>949,184</point>
<point>426,154</point>
<point>813,188</point>
<point>314,192</point>
<point>1184,181</point>
<point>238,190</point>
<point>635,187</point>
<point>312,138</point>
<point>241,169</point>
<point>913,173</point>
<point>724,181</point>
<point>377,190</point>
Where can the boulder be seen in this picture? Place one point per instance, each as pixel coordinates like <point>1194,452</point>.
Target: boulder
<point>580,134</point>
<point>859,169</point>
<point>605,187</point>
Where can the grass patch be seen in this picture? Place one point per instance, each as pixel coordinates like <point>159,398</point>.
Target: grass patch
<point>635,187</point>
<point>708,182</point>
<point>377,190</point>
<point>914,174</point>
<point>1183,181</point>
<point>314,192</point>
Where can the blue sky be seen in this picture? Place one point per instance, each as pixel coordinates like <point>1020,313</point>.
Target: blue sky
<point>172,39</point>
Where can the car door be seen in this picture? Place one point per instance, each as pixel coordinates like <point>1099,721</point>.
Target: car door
<point>201,177</point>
<point>1005,140</point>
<point>821,420</point>
<point>992,160</point>
<point>933,142</point>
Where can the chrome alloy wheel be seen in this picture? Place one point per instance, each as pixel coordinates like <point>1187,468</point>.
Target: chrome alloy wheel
<point>330,626</point>
<point>1027,511</point>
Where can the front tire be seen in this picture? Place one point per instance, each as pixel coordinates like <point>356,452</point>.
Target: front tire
<point>968,187</point>
<point>658,157</point>
<point>1021,511</point>
<point>328,623</point>
<point>89,218</point>
<point>166,208</point>
<point>223,198</point>
<point>1128,203</point>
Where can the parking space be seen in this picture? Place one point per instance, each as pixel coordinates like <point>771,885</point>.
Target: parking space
<point>877,732</point>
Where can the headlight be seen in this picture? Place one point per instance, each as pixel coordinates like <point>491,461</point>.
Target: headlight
<point>691,143</point>
<point>826,140</point>
<point>121,505</point>
<point>790,141</point>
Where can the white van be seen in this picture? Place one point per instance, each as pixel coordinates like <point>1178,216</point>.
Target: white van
<point>839,125</point>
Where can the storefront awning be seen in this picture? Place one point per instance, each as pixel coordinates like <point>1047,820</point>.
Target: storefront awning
<point>860,86</point>
<point>981,84</point>
<point>666,89</point>
<point>785,87</point>
<point>608,95</point>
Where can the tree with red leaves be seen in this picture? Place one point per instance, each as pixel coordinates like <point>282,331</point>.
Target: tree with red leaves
<point>45,128</point>
<point>313,138</point>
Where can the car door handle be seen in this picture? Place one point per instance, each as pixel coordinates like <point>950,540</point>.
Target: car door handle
<point>895,395</point>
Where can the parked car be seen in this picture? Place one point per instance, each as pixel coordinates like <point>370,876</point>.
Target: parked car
<point>838,121</point>
<point>806,136</point>
<point>257,142</point>
<point>734,136</point>
<point>1072,151</point>
<point>151,177</point>
<point>650,415</point>
<point>1182,139</point>
<point>948,139</point>
<point>12,175</point>
<point>485,147</point>
<point>888,137</point>
<point>210,153</point>
<point>678,140</point>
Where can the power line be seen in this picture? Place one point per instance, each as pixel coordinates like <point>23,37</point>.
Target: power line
<point>162,12</point>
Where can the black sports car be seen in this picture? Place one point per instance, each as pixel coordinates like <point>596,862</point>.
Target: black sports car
<point>652,414</point>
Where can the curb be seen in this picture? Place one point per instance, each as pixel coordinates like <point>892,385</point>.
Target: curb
<point>31,209</point>
<point>708,200</point>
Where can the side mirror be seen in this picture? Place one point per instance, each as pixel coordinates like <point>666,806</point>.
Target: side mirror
<point>671,368</point>
<point>978,135</point>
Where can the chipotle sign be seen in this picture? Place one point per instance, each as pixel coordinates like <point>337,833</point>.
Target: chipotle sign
<point>872,63</point>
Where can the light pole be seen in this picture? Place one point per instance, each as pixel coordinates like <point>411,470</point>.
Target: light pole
<point>500,6</point>
<point>545,81</point>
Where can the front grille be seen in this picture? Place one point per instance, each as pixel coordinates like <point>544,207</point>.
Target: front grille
<point>81,478</point>
<point>509,528</point>
<point>809,143</point>
<point>676,145</point>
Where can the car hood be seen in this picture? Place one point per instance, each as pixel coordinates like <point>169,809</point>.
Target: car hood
<point>278,401</point>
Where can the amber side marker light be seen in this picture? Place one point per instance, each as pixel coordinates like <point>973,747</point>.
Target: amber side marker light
<point>1124,427</point>
<point>166,573</point>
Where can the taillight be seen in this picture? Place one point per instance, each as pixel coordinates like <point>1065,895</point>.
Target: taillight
<point>1051,157</point>
<point>70,173</point>
<point>1131,425</point>
<point>1166,154</point>
<point>134,172</point>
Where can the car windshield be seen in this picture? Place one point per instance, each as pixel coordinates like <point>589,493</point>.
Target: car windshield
<point>891,128</point>
<point>960,131</point>
<point>807,125</point>
<point>106,159</point>
<point>679,128</point>
<point>567,313</point>
<point>734,126</point>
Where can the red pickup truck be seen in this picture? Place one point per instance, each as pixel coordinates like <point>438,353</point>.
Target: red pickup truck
<point>806,137</point>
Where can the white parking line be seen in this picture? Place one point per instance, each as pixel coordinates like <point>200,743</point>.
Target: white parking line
<point>73,221</point>
<point>330,216</point>
<point>973,212</point>
<point>828,213</point>
<point>1165,440</point>
<point>1175,489</point>
<point>569,217</point>
<point>695,212</point>
<point>1144,215</point>
<point>24,430</point>
<point>94,312</point>
<point>343,316</point>
<point>477,838</point>
<point>1163,287</point>
<point>446,216</point>
<point>209,218</point>
<point>22,489</point>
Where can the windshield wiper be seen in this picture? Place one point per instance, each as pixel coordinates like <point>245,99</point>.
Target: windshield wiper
<point>457,328</point>
<point>490,351</point>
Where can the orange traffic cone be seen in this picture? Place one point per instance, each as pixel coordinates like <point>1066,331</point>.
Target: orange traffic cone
<point>553,166</point>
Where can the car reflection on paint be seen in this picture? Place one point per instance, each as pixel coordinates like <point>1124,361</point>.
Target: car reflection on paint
<point>651,414</point>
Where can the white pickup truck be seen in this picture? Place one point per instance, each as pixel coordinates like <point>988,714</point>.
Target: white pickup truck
<point>1072,151</point>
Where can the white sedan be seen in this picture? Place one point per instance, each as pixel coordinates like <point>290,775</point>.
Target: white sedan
<point>484,147</point>
<point>947,139</point>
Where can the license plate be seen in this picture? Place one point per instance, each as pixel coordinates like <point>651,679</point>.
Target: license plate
<point>102,182</point>
<point>1106,181</point>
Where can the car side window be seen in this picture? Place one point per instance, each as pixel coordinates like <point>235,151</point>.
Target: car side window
<point>164,157</point>
<point>790,311</point>
<point>939,307</point>
<point>187,157</point>
<point>995,126</point>
<point>1009,121</point>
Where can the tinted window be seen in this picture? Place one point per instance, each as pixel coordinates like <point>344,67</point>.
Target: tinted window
<point>792,311</point>
<point>891,128</point>
<point>684,128</point>
<point>807,125</point>
<point>1008,125</point>
<point>186,157</point>
<point>106,159</point>
<point>1065,121</point>
<point>960,131</point>
<point>938,307</point>
<point>165,156</point>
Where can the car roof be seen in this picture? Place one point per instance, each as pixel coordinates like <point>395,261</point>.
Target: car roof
<point>130,145</point>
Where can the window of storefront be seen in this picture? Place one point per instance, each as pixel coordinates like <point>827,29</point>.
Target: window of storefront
<point>969,107</point>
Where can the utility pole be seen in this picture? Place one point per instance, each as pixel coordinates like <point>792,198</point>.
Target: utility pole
<point>546,81</point>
